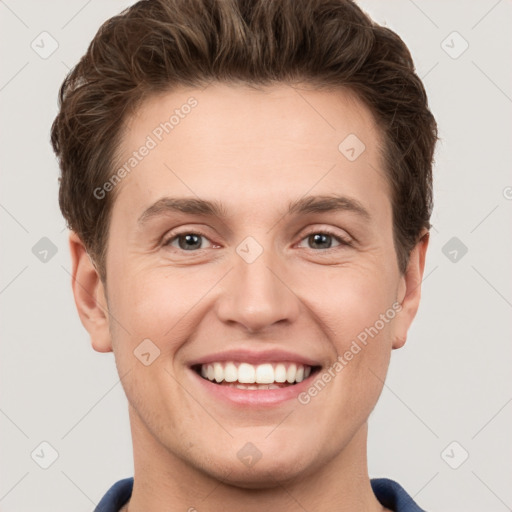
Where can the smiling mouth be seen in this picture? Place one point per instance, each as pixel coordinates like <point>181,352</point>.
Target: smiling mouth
<point>248,376</point>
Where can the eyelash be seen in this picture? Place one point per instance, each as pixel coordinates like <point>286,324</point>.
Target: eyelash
<point>343,242</point>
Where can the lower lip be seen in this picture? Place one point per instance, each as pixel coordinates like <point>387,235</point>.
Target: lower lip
<point>254,397</point>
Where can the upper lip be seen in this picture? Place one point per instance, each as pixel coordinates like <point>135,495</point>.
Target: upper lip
<point>255,357</point>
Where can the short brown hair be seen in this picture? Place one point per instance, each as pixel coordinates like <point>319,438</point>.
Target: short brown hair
<point>156,45</point>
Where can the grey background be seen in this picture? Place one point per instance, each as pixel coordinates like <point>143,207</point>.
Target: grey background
<point>450,383</point>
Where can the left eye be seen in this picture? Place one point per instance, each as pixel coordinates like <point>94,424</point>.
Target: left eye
<point>320,238</point>
<point>192,241</point>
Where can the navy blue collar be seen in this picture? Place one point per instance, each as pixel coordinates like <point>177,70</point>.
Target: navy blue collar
<point>389,493</point>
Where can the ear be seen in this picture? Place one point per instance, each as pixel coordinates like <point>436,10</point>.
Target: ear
<point>90,298</point>
<point>409,290</point>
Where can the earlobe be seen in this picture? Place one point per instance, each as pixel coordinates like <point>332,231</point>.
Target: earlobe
<point>89,296</point>
<point>409,291</point>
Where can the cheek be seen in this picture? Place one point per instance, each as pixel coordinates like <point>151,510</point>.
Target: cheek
<point>152,302</point>
<point>349,300</point>
<point>355,306</point>
<point>161,304</point>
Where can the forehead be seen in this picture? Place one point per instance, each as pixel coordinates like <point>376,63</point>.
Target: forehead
<point>244,144</point>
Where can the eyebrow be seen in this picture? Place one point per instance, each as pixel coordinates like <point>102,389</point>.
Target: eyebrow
<point>213,208</point>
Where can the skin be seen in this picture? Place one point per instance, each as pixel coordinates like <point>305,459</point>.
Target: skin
<point>254,150</point>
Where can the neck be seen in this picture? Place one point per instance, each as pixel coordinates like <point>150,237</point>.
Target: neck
<point>163,482</point>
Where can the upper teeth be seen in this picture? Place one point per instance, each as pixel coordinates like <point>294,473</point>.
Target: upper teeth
<point>246,373</point>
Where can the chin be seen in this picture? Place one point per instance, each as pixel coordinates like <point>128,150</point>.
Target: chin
<point>267,473</point>
<point>259,478</point>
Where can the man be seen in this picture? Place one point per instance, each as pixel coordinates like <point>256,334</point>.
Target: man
<point>248,188</point>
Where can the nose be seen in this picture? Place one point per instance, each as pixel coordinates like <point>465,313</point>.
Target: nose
<point>258,295</point>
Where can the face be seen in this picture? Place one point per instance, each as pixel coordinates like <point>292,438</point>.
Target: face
<point>254,255</point>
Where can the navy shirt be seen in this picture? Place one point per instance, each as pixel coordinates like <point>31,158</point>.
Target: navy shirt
<point>389,493</point>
